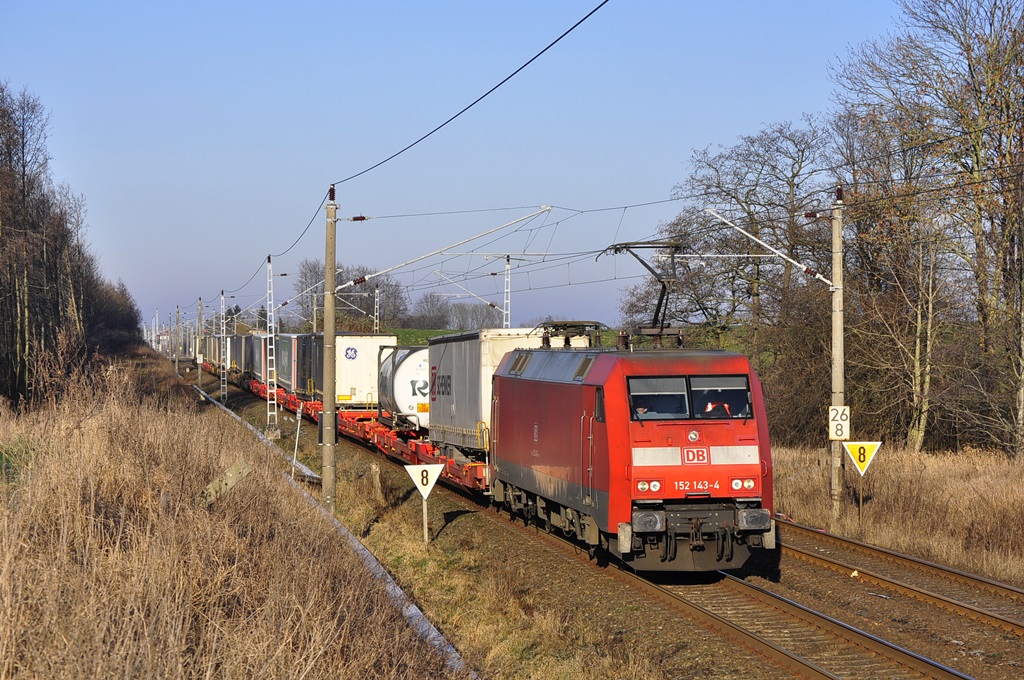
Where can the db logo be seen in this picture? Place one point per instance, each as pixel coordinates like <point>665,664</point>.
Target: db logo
<point>695,457</point>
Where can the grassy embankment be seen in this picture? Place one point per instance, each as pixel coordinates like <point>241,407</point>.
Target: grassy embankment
<point>962,510</point>
<point>108,566</point>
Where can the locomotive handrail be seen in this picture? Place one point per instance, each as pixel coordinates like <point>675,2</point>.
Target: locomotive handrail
<point>483,436</point>
<point>590,461</point>
<point>583,488</point>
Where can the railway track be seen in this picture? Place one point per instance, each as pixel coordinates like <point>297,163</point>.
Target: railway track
<point>800,640</point>
<point>990,602</point>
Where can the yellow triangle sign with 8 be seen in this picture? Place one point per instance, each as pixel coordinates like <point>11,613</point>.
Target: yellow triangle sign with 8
<point>862,453</point>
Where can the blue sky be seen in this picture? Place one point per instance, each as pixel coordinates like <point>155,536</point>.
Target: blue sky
<point>204,135</point>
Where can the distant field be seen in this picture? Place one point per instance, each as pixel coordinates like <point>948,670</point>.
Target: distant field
<point>415,336</point>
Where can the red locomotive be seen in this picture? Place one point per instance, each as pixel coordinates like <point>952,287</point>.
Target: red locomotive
<point>659,457</point>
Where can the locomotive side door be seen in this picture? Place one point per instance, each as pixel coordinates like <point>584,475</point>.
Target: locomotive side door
<point>594,440</point>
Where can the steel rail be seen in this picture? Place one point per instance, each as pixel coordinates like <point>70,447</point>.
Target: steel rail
<point>928,569</point>
<point>863,651</point>
<point>785,658</point>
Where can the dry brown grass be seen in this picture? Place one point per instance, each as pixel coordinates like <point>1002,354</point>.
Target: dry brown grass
<point>472,583</point>
<point>494,610</point>
<point>962,509</point>
<point>109,568</point>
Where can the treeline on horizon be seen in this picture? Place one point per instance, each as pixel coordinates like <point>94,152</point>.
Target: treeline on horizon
<point>56,310</point>
<point>927,142</point>
<point>383,298</point>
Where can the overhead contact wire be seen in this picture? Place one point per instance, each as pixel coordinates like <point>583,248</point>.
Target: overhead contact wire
<point>436,129</point>
<point>478,99</point>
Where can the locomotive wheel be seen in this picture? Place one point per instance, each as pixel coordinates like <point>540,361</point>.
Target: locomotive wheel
<point>567,525</point>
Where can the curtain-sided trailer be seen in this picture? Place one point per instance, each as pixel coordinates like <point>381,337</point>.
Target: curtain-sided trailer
<point>461,368</point>
<point>294,362</point>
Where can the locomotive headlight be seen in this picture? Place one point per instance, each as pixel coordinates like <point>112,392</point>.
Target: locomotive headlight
<point>655,487</point>
<point>737,484</point>
<point>693,435</point>
<point>642,486</point>
<point>748,484</point>
<point>648,520</point>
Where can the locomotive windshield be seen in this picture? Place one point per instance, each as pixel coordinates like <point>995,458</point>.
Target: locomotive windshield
<point>658,398</point>
<point>720,396</point>
<point>670,397</point>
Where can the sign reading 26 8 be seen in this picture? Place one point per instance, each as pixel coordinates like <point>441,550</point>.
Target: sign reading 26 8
<point>838,423</point>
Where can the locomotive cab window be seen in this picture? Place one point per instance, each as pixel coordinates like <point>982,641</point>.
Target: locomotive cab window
<point>658,398</point>
<point>721,396</point>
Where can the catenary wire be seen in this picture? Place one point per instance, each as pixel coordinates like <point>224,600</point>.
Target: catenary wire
<point>442,125</point>
<point>478,99</point>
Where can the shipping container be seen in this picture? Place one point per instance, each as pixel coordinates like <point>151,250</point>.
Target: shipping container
<point>356,362</point>
<point>405,388</point>
<point>293,362</point>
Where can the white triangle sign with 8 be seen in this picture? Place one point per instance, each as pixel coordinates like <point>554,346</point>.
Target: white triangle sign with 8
<point>424,477</point>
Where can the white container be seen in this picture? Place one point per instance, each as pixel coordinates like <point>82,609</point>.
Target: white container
<point>356,364</point>
<point>405,387</point>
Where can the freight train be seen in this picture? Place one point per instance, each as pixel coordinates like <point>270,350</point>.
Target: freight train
<point>657,457</point>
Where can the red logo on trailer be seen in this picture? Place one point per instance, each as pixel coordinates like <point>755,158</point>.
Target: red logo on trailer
<point>696,457</point>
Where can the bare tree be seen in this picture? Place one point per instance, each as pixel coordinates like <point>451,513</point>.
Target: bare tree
<point>362,297</point>
<point>356,304</point>
<point>952,79</point>
<point>54,301</point>
<point>765,182</point>
<point>472,316</point>
<point>309,292</point>
<point>903,269</point>
<point>431,311</point>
